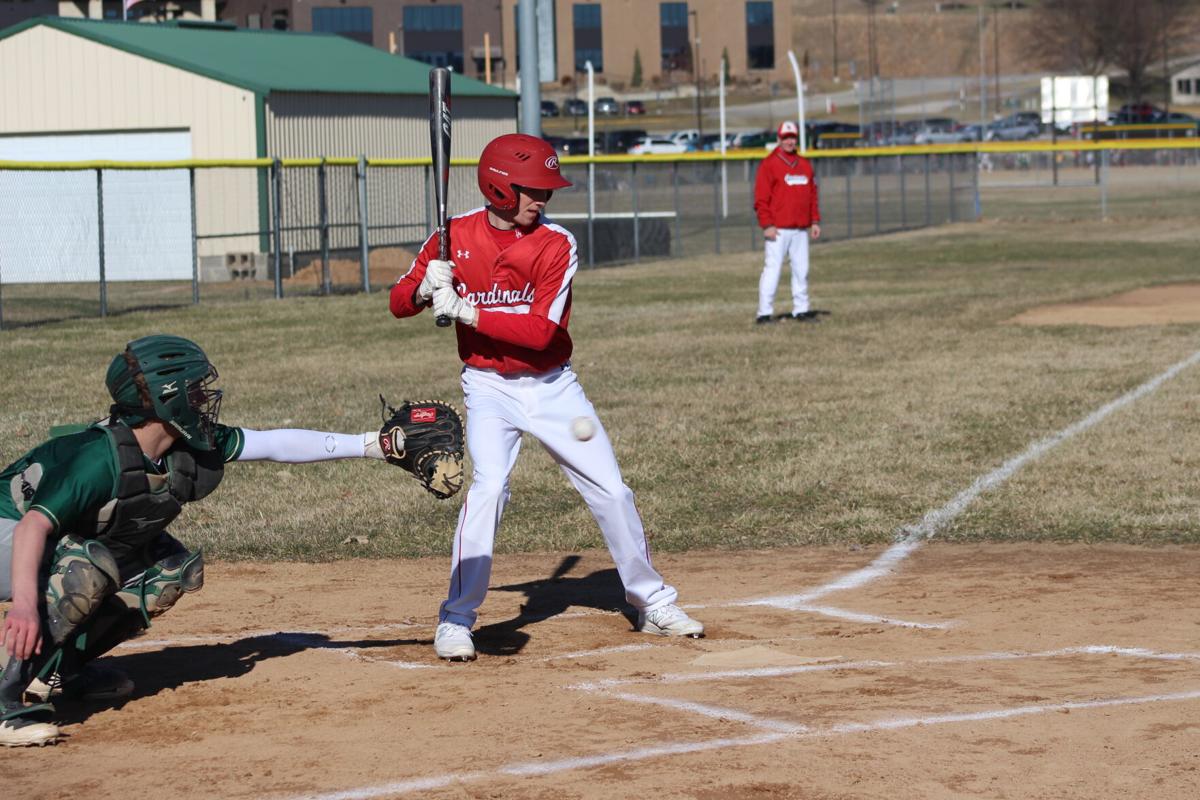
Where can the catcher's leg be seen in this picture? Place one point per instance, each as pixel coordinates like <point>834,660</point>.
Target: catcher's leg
<point>168,570</point>
<point>82,575</point>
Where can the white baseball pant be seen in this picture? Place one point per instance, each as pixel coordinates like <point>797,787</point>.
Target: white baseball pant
<point>499,409</point>
<point>792,242</point>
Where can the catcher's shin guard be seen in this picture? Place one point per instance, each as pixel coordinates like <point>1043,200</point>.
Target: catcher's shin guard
<point>160,585</point>
<point>82,574</point>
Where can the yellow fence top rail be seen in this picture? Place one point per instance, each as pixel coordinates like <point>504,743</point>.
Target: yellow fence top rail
<point>1062,146</point>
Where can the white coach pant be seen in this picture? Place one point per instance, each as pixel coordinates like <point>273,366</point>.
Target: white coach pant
<point>792,242</point>
<point>499,409</point>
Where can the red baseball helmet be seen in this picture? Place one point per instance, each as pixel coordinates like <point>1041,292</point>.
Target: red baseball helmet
<point>517,159</point>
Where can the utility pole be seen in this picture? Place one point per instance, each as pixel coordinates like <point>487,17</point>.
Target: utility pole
<point>835,52</point>
<point>996,54</point>
<point>698,76</point>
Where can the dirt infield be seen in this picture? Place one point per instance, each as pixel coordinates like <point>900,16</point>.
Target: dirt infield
<point>971,671</point>
<point>1155,305</point>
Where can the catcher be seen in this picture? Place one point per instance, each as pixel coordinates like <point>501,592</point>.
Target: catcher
<point>85,556</point>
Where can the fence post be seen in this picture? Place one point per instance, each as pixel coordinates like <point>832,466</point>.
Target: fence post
<point>903,195</point>
<point>851,165</point>
<point>975,181</point>
<point>276,197</point>
<point>363,227</point>
<point>875,182</point>
<point>716,207</point>
<point>1103,160</point>
<point>100,226</point>
<point>928,199</point>
<point>637,239</point>
<point>323,221</point>
<point>675,202</point>
<point>195,242</point>
<point>950,170</point>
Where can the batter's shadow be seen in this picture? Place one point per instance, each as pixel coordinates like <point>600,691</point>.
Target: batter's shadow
<point>549,597</point>
<point>155,671</point>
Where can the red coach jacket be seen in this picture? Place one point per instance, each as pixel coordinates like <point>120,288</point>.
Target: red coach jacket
<point>785,192</point>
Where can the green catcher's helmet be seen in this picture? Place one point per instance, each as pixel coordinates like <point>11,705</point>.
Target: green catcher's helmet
<point>166,378</point>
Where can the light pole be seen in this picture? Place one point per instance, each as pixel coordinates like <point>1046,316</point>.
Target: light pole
<point>835,53</point>
<point>696,74</point>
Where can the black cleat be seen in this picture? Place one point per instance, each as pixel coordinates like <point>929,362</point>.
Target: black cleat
<point>763,319</point>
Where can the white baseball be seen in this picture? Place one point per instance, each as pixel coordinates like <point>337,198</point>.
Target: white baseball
<point>583,428</point>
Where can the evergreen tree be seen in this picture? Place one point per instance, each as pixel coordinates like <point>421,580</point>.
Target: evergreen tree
<point>636,80</point>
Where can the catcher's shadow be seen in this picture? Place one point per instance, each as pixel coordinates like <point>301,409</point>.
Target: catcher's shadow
<point>159,670</point>
<point>549,597</point>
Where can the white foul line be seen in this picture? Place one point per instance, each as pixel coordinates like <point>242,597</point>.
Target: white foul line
<point>529,768</point>
<point>912,536</point>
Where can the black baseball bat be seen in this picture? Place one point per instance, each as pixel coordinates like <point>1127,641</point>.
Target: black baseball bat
<point>439,144</point>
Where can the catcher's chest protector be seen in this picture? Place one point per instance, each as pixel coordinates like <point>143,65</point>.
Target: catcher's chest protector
<point>138,514</point>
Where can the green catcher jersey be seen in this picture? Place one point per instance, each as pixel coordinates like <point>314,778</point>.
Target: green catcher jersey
<point>69,475</point>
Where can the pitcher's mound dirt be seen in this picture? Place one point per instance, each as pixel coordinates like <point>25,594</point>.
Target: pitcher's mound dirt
<point>1157,305</point>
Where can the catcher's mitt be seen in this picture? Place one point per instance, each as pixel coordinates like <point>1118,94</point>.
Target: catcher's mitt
<point>425,438</point>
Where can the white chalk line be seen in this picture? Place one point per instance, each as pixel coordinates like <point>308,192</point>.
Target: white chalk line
<point>911,537</point>
<point>538,768</point>
<point>870,664</point>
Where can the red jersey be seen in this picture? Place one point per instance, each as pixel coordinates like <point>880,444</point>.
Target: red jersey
<point>519,281</point>
<point>785,192</point>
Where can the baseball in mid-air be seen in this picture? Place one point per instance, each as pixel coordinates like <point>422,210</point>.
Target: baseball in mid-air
<point>583,428</point>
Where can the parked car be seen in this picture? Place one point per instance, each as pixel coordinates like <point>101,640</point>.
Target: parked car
<point>555,141</point>
<point>711,141</point>
<point>635,108</point>
<point>574,107</point>
<point>686,136</point>
<point>578,146</point>
<point>744,140</point>
<point>619,141</point>
<point>549,109</point>
<point>1137,114</point>
<point>608,106</point>
<point>944,134</point>
<point>652,144</point>
<point>1013,128</point>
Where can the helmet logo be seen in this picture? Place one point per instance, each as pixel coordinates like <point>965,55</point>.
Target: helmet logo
<point>552,162</point>
<point>169,387</point>
<point>498,171</point>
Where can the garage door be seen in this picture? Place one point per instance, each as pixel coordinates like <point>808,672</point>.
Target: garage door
<point>49,225</point>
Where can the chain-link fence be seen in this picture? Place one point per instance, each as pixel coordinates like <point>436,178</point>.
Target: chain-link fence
<point>81,241</point>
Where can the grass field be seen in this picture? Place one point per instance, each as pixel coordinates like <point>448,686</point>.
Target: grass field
<point>732,435</point>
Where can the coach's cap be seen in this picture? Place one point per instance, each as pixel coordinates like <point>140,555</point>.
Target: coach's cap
<point>788,128</point>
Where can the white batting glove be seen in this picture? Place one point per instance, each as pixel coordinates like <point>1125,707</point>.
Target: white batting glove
<point>447,303</point>
<point>437,274</point>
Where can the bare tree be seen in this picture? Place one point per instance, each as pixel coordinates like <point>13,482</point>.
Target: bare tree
<point>1091,36</point>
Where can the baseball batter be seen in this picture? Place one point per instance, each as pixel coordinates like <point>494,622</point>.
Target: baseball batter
<point>85,556</point>
<point>509,291</point>
<point>785,200</point>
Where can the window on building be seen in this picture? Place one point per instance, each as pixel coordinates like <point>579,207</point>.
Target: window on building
<point>1183,85</point>
<point>760,35</point>
<point>254,21</point>
<point>353,22</point>
<point>676,45</point>
<point>279,20</point>
<point>434,34</point>
<point>589,40</point>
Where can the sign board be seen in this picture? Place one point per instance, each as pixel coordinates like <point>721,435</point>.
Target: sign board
<point>1067,99</point>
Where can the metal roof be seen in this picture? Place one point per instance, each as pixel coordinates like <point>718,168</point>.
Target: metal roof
<point>264,61</point>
